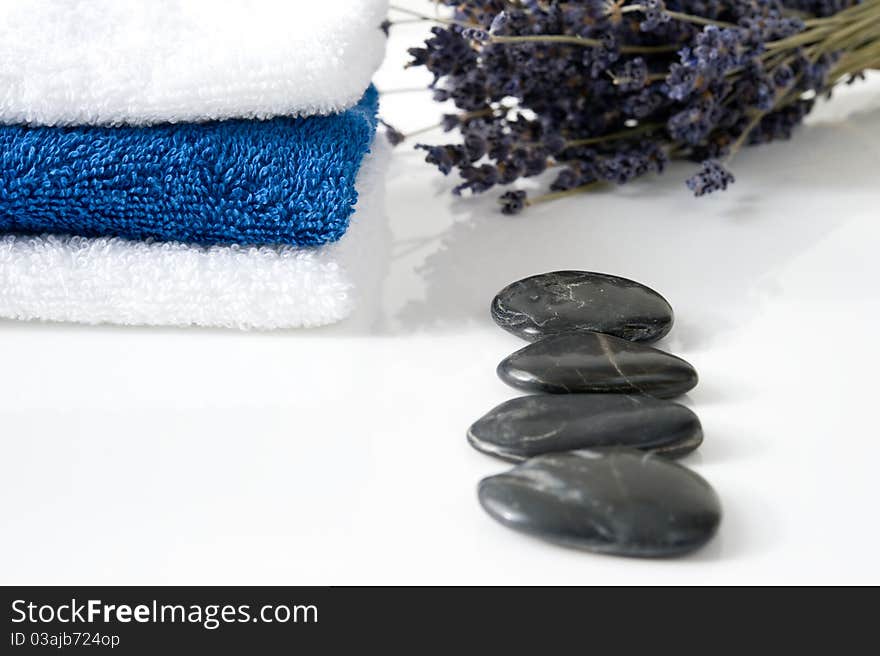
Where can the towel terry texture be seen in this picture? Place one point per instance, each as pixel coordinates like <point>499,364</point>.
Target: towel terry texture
<point>113,280</point>
<point>140,62</point>
<point>282,181</point>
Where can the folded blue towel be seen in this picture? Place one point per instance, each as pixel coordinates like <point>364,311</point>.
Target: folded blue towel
<point>282,181</point>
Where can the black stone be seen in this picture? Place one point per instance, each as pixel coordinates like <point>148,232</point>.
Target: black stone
<point>593,362</point>
<point>615,501</point>
<point>567,301</point>
<point>529,426</point>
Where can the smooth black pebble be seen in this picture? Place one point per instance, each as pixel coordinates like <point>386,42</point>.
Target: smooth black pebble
<point>615,501</point>
<point>566,301</point>
<point>529,426</point>
<point>593,362</point>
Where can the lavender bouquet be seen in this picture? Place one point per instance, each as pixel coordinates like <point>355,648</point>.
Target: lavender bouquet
<point>605,91</point>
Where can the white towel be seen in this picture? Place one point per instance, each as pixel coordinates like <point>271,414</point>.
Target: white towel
<point>136,62</point>
<point>111,280</point>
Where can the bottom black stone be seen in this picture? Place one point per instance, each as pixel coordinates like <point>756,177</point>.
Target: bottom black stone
<point>615,501</point>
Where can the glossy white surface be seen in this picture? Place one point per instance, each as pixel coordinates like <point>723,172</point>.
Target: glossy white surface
<point>339,456</point>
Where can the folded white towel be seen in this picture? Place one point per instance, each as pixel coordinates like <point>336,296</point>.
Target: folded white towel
<point>136,62</point>
<point>111,280</point>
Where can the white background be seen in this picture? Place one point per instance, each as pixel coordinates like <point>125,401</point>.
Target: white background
<point>339,455</point>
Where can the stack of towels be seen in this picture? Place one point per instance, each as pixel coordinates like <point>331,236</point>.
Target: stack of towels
<point>188,162</point>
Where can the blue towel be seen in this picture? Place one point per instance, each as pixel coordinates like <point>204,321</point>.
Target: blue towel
<point>282,181</point>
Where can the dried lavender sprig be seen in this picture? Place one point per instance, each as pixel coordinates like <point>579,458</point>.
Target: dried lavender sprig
<point>678,15</point>
<point>487,37</point>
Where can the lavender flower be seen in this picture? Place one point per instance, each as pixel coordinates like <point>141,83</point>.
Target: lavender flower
<point>513,202</point>
<point>712,176</point>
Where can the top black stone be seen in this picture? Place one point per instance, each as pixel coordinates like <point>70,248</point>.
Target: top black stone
<point>567,301</point>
